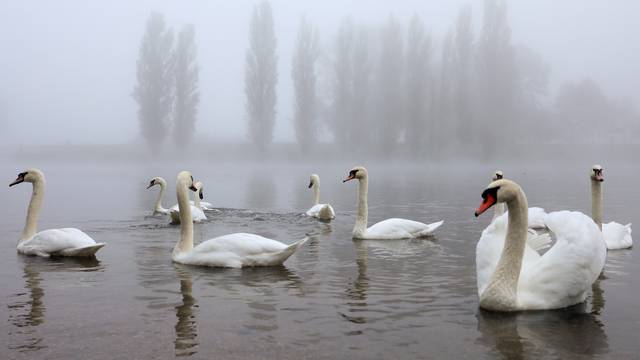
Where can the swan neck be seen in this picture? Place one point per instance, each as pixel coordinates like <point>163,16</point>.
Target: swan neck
<point>360,227</point>
<point>196,199</point>
<point>31,225</point>
<point>501,293</point>
<point>498,210</point>
<point>158,206</point>
<point>186,223</point>
<point>316,193</point>
<point>596,202</point>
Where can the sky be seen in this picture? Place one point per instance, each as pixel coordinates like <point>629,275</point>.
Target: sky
<point>67,67</point>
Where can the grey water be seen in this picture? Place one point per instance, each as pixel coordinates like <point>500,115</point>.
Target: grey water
<point>334,298</point>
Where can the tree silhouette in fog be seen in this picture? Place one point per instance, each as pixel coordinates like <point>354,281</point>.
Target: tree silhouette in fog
<point>261,77</point>
<point>187,95</point>
<point>303,72</point>
<point>154,89</point>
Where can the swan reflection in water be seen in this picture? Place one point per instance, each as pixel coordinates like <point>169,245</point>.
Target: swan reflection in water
<point>186,341</point>
<point>567,333</point>
<point>26,315</point>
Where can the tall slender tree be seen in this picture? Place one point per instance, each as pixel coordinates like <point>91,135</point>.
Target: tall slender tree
<point>261,77</point>
<point>154,89</point>
<point>303,73</point>
<point>187,95</point>
<point>342,83</point>
<point>462,61</point>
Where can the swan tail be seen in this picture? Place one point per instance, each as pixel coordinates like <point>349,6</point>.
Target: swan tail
<point>282,256</point>
<point>326,213</point>
<point>430,228</point>
<point>537,241</point>
<point>85,251</point>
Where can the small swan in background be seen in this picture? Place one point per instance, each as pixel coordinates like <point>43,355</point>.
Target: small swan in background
<point>321,211</point>
<point>202,205</point>
<point>233,250</point>
<point>512,277</point>
<point>616,236</point>
<point>387,229</point>
<point>536,214</point>
<point>158,208</point>
<point>51,242</point>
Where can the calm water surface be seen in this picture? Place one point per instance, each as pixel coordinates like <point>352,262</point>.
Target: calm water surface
<point>335,298</point>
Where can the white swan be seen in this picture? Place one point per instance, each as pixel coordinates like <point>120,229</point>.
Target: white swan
<point>321,211</point>
<point>51,242</point>
<point>387,229</point>
<point>233,250</point>
<point>536,214</point>
<point>516,278</point>
<point>158,208</point>
<point>616,236</point>
<point>196,211</point>
<point>202,205</point>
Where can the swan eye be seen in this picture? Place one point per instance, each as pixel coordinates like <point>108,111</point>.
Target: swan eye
<point>353,172</point>
<point>23,174</point>
<point>490,192</point>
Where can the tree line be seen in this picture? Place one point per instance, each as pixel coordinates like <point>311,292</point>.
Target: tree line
<point>388,88</point>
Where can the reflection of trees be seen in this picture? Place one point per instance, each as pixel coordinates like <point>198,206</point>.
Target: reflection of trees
<point>564,333</point>
<point>186,327</point>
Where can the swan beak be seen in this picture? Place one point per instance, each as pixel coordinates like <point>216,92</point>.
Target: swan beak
<point>310,185</point>
<point>193,188</point>
<point>149,186</point>
<point>201,195</point>
<point>599,177</point>
<point>351,177</point>
<point>17,181</point>
<point>486,203</point>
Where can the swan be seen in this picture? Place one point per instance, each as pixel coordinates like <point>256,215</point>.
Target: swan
<point>202,205</point>
<point>233,250</point>
<point>51,242</point>
<point>387,229</point>
<point>536,214</point>
<point>158,208</point>
<point>616,236</point>
<point>515,278</point>
<point>321,211</point>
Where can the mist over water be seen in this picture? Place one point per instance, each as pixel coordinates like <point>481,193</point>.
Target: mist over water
<point>252,97</point>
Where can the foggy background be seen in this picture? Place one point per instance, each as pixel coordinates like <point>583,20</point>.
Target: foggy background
<point>545,73</point>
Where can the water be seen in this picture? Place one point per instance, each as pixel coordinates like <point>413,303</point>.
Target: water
<point>335,298</point>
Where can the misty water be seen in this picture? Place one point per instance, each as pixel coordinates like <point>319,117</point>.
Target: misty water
<point>334,298</point>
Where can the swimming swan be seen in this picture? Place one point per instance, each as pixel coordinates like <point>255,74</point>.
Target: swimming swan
<point>616,236</point>
<point>158,208</point>
<point>321,211</point>
<point>51,242</point>
<point>387,229</point>
<point>519,278</point>
<point>233,250</point>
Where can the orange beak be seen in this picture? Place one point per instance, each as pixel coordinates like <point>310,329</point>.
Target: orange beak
<point>350,177</point>
<point>488,202</point>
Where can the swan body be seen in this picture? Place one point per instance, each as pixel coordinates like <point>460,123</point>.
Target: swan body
<point>388,229</point>
<point>197,211</point>
<point>513,277</point>
<point>321,211</point>
<point>616,236</point>
<point>233,250</point>
<point>52,242</point>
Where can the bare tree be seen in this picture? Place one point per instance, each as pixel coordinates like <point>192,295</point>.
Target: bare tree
<point>418,57</point>
<point>261,77</point>
<point>187,95</point>
<point>153,92</point>
<point>342,83</point>
<point>303,73</point>
<point>360,95</point>
<point>463,85</point>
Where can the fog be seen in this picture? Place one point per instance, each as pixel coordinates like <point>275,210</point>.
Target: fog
<point>68,71</point>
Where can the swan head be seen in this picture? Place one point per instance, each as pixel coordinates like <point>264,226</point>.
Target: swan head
<point>29,175</point>
<point>156,181</point>
<point>186,179</point>
<point>499,191</point>
<point>497,175</point>
<point>198,185</point>
<point>596,173</point>
<point>314,180</point>
<point>358,172</point>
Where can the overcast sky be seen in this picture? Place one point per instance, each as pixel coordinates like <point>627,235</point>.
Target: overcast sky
<point>67,67</point>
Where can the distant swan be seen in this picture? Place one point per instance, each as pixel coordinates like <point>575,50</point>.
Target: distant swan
<point>51,242</point>
<point>536,214</point>
<point>233,250</point>
<point>514,277</point>
<point>321,211</point>
<point>616,236</point>
<point>158,208</point>
<point>387,229</point>
<point>202,205</point>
